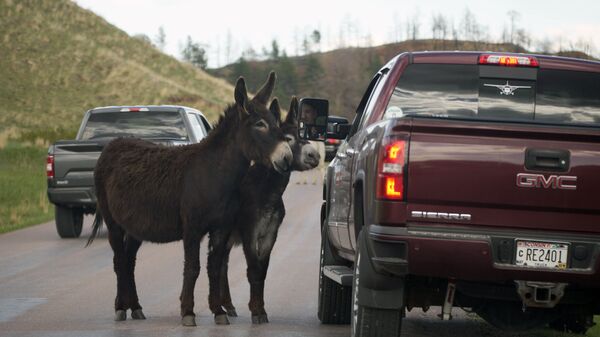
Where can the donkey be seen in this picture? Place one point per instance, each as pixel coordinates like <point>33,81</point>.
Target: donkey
<point>257,222</point>
<point>162,194</point>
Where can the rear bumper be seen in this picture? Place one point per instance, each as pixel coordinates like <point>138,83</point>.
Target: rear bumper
<point>466,254</point>
<point>73,196</point>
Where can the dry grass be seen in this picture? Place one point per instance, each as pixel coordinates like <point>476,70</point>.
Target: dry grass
<point>58,60</point>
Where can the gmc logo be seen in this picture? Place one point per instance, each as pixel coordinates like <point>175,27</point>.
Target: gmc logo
<point>553,181</point>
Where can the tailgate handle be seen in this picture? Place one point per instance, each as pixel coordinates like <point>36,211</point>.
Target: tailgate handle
<point>547,160</point>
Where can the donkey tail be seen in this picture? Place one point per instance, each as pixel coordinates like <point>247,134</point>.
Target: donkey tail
<point>95,227</point>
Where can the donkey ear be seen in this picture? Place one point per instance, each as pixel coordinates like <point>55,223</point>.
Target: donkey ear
<point>293,112</point>
<point>276,110</point>
<point>265,92</point>
<point>241,94</point>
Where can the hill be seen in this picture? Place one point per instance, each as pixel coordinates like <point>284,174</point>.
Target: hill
<point>342,75</point>
<point>58,60</point>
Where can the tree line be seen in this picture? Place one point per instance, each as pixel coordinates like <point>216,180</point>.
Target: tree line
<point>444,31</point>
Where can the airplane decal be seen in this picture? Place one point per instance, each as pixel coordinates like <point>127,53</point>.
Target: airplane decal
<point>507,89</point>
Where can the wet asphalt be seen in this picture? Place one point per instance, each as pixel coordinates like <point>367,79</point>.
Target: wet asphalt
<point>57,287</point>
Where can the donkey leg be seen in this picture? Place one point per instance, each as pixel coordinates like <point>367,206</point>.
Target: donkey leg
<point>218,247</point>
<point>256,272</point>
<point>225,293</point>
<point>191,270</point>
<point>115,238</point>
<point>131,248</point>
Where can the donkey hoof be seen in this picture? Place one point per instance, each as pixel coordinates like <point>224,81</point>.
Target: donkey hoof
<point>231,312</point>
<point>189,320</point>
<point>221,319</point>
<point>120,315</point>
<point>137,314</point>
<point>260,319</point>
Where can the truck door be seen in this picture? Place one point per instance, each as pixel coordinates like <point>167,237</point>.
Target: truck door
<point>341,210</point>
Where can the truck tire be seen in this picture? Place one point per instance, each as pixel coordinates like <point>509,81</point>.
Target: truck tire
<point>367,321</point>
<point>69,221</point>
<point>334,299</point>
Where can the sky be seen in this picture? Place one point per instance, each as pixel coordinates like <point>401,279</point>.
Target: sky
<point>254,24</point>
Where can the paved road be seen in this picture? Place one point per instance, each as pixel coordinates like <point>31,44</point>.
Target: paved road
<point>54,287</point>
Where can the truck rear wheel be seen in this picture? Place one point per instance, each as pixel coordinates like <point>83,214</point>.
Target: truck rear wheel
<point>69,221</point>
<point>367,321</point>
<point>334,299</point>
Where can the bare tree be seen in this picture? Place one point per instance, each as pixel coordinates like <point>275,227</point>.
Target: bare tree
<point>228,46</point>
<point>306,47</point>
<point>415,26</point>
<point>544,45</point>
<point>585,45</point>
<point>439,27</point>
<point>315,38</point>
<point>218,52</point>
<point>396,28</point>
<point>455,34</point>
<point>160,39</point>
<point>522,38</point>
<point>513,17</point>
<point>467,25</point>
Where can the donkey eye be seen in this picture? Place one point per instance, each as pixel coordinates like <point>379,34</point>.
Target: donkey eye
<point>261,124</point>
<point>289,138</point>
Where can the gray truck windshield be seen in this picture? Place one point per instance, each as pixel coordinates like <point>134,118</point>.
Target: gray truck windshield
<point>471,91</point>
<point>142,124</point>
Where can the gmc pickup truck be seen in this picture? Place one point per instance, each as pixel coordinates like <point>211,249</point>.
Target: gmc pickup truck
<point>466,179</point>
<point>70,163</point>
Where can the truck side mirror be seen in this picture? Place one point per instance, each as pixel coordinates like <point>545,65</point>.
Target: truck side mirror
<point>337,127</point>
<point>312,120</point>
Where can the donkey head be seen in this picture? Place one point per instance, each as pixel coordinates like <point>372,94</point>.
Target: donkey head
<point>259,135</point>
<point>306,156</point>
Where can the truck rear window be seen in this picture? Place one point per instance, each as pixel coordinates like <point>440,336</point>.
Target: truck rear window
<point>142,124</point>
<point>506,94</point>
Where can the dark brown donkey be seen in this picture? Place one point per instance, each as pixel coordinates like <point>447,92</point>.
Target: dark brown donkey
<point>162,194</point>
<point>257,223</point>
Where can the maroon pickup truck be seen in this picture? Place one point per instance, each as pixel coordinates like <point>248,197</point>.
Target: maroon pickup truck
<point>466,179</point>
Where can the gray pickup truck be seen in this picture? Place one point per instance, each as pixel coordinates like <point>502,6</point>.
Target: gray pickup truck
<point>70,163</point>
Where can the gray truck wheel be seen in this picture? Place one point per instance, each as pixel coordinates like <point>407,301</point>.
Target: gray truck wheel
<point>367,321</point>
<point>69,221</point>
<point>334,299</point>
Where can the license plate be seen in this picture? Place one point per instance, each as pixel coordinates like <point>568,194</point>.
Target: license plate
<point>551,255</point>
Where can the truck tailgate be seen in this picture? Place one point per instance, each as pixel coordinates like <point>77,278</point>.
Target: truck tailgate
<point>74,162</point>
<point>479,169</point>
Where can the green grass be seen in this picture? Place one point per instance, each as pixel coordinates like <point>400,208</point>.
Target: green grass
<point>23,187</point>
<point>595,330</point>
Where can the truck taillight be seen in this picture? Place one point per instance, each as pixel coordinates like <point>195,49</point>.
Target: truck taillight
<point>50,166</point>
<point>390,170</point>
<point>508,60</point>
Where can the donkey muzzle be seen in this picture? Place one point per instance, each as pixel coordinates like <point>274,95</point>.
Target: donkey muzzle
<point>310,156</point>
<point>282,158</point>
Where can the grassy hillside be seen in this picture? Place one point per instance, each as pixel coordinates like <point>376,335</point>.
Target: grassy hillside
<point>56,61</point>
<point>342,75</point>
